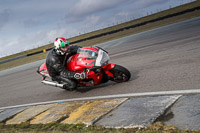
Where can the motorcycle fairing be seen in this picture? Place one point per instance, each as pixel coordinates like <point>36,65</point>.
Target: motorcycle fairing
<point>87,57</point>
<point>93,59</point>
<point>42,70</point>
<point>107,68</point>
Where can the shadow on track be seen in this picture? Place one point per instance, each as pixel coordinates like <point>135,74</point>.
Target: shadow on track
<point>134,76</point>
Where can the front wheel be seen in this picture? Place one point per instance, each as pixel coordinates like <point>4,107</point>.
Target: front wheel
<point>120,74</point>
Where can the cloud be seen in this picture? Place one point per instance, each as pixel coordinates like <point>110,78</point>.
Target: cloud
<point>29,23</point>
<point>42,37</point>
<point>30,41</point>
<point>145,4</point>
<point>85,8</point>
<point>137,9</point>
<point>122,14</point>
<point>4,17</point>
<point>92,20</point>
<point>11,47</point>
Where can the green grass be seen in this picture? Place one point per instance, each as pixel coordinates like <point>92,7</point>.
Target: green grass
<point>110,36</point>
<point>157,127</point>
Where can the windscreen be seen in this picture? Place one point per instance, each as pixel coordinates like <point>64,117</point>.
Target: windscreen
<point>88,57</point>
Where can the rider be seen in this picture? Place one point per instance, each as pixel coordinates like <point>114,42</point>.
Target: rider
<point>56,64</point>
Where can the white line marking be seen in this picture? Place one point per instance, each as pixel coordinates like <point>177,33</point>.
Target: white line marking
<point>145,94</point>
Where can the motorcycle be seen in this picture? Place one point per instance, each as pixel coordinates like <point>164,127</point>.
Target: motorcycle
<point>94,61</point>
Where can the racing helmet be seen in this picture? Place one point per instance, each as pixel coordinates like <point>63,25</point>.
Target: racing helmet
<point>61,45</point>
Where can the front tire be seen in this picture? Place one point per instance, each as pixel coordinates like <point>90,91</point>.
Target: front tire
<point>120,74</point>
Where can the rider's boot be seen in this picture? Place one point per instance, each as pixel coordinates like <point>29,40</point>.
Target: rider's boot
<point>69,84</point>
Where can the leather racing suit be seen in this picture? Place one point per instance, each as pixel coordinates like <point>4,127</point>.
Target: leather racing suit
<point>56,66</point>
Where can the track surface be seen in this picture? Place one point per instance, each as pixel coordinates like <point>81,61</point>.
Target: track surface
<point>163,59</point>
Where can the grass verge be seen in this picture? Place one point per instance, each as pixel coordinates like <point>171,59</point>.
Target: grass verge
<point>77,128</point>
<point>109,37</point>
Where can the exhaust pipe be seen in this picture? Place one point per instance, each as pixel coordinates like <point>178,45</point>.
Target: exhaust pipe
<point>52,83</point>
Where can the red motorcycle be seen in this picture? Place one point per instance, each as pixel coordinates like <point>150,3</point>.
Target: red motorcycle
<point>94,62</point>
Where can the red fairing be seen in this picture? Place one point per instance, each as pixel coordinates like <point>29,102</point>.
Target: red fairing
<point>91,48</point>
<point>43,70</point>
<point>76,64</point>
<point>80,61</point>
<point>43,67</point>
<point>109,67</point>
<point>96,77</point>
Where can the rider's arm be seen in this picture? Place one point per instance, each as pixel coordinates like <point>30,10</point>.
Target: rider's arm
<point>63,71</point>
<point>58,66</point>
<point>55,66</point>
<point>73,49</point>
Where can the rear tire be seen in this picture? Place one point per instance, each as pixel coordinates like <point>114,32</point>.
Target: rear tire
<point>120,74</point>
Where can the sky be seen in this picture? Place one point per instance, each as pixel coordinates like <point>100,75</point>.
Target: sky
<point>28,24</point>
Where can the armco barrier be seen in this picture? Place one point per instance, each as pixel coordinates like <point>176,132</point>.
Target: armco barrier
<point>22,56</point>
<point>39,52</point>
<point>111,32</point>
<point>11,59</point>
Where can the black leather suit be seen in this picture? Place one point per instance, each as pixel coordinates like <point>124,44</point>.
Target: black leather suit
<point>56,66</point>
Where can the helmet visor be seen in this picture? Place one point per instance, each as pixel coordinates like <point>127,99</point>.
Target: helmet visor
<point>64,44</point>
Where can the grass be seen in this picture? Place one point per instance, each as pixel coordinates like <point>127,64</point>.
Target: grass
<point>81,128</point>
<point>109,36</point>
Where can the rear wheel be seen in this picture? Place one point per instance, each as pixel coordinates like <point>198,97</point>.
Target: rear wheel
<point>120,74</point>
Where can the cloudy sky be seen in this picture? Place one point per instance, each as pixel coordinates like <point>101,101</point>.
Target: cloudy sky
<point>27,24</point>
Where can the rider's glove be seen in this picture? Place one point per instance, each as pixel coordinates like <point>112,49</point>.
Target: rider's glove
<point>80,75</point>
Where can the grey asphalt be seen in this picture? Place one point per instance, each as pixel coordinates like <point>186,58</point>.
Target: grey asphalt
<point>162,59</point>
